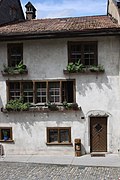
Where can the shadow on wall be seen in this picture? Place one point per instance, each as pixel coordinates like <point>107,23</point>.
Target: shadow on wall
<point>1,103</point>
<point>2,152</point>
<point>83,151</point>
<point>89,82</point>
<point>28,120</point>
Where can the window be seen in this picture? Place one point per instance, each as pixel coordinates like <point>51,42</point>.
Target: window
<point>86,52</point>
<point>15,54</point>
<point>6,134</point>
<point>42,92</point>
<point>60,135</point>
<point>28,92</point>
<point>14,90</point>
<point>54,92</point>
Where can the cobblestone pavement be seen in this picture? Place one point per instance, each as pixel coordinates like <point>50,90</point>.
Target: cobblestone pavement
<point>32,171</point>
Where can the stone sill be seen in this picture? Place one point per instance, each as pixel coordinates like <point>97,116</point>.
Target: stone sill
<point>14,73</point>
<point>58,144</point>
<point>41,110</point>
<point>7,141</point>
<point>83,72</point>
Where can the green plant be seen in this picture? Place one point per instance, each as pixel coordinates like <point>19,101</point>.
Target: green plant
<point>69,106</point>
<point>17,105</point>
<point>71,67</point>
<point>66,105</point>
<point>75,67</point>
<point>18,68</point>
<point>98,68</point>
<point>74,106</point>
<point>52,106</point>
<point>101,68</point>
<point>78,66</point>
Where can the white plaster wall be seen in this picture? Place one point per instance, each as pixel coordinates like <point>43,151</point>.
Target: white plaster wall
<point>113,10</point>
<point>99,93</point>
<point>29,131</point>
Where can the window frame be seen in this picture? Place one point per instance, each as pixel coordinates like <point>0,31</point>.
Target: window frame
<point>82,44</point>
<point>58,129</point>
<point>62,98</point>
<point>11,134</point>
<point>9,49</point>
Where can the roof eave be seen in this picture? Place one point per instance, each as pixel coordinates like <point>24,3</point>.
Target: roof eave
<point>60,34</point>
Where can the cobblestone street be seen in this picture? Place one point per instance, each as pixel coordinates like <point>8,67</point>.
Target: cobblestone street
<point>32,171</point>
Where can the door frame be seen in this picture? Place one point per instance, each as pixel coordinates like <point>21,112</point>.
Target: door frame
<point>106,119</point>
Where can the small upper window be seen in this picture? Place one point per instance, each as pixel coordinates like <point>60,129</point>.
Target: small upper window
<point>86,52</point>
<point>15,54</point>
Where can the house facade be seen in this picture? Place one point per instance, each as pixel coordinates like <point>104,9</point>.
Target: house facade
<point>60,81</point>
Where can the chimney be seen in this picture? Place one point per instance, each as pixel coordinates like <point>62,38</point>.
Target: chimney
<point>118,4</point>
<point>30,11</point>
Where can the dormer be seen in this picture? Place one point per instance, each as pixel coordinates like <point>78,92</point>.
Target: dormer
<point>30,11</point>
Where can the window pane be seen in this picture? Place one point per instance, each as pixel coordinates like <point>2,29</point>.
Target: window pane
<point>41,92</point>
<point>53,135</point>
<point>67,91</point>
<point>15,54</point>
<point>5,134</point>
<point>14,92</point>
<point>54,92</point>
<point>28,92</point>
<point>75,53</point>
<point>64,135</point>
<point>89,54</point>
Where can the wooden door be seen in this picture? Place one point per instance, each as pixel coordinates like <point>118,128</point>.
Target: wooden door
<point>98,134</point>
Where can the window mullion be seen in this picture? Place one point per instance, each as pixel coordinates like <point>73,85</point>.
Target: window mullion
<point>47,92</point>
<point>60,91</point>
<point>21,89</point>
<point>34,92</point>
<point>82,54</point>
<point>58,135</point>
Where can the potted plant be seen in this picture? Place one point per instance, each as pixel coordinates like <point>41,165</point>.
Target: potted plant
<point>5,135</point>
<point>18,69</point>
<point>98,68</point>
<point>52,106</point>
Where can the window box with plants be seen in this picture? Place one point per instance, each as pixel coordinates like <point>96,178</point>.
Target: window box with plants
<point>18,105</point>
<point>78,67</point>
<point>18,69</point>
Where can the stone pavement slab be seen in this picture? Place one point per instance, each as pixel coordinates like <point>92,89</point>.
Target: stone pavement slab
<point>110,160</point>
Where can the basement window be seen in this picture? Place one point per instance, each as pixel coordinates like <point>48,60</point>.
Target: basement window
<point>6,134</point>
<point>15,54</point>
<point>59,135</point>
<point>86,52</point>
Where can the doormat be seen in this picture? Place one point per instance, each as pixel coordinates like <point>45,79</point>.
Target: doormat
<point>97,154</point>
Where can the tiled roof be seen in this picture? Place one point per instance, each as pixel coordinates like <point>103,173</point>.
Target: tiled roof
<point>39,26</point>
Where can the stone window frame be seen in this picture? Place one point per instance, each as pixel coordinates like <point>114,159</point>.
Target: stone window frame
<point>58,133</point>
<point>63,92</point>
<point>81,45</point>
<point>10,134</point>
<point>19,56</point>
